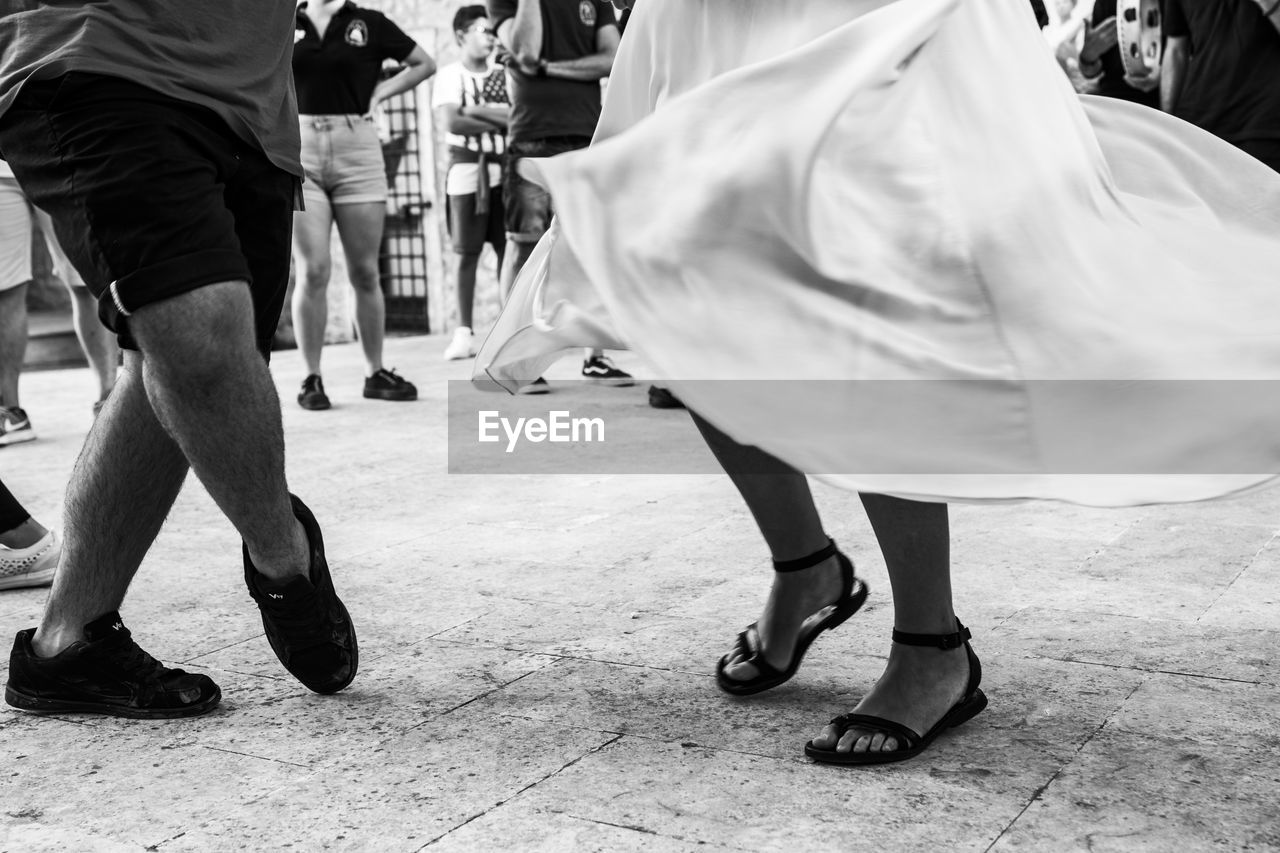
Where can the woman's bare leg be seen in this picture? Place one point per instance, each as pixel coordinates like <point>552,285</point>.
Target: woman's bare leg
<point>920,684</point>
<point>782,505</point>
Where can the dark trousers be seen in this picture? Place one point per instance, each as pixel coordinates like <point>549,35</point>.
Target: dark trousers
<point>11,512</point>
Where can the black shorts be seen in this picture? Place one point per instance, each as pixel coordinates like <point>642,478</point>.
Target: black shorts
<point>529,205</point>
<point>469,231</point>
<point>151,197</point>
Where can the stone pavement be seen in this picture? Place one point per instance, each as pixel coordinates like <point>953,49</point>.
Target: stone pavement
<point>537,658</point>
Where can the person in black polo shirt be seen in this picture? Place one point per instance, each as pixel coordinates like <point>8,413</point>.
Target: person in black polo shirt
<point>1221,71</point>
<point>337,65</point>
<point>561,50</point>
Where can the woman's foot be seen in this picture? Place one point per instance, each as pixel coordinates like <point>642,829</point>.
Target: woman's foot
<point>794,598</point>
<point>918,687</point>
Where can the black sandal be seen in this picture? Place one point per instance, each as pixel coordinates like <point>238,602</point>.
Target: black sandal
<point>910,743</point>
<point>852,597</point>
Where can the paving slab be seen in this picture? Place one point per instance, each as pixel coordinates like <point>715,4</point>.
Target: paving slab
<point>699,795</point>
<point>542,831</point>
<point>537,659</point>
<point>1154,645</point>
<point>134,784</point>
<point>1127,792</point>
<point>406,792</point>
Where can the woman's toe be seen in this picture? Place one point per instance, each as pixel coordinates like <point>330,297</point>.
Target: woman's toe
<point>876,742</point>
<point>889,744</point>
<point>740,671</point>
<point>828,738</point>
<point>849,741</point>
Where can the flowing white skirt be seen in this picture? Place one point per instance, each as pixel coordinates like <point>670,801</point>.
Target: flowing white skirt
<point>1000,289</point>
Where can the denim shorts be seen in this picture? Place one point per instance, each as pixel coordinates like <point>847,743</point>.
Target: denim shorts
<point>342,156</point>
<point>469,230</point>
<point>151,197</point>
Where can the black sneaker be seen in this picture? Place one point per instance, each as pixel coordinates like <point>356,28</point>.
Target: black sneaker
<point>105,674</point>
<point>388,385</point>
<point>661,398</point>
<point>312,395</point>
<point>306,624</point>
<point>601,370</point>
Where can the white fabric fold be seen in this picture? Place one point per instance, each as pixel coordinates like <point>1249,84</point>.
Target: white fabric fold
<point>910,190</point>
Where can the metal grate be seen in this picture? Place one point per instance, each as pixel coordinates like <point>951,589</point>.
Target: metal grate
<point>402,262</point>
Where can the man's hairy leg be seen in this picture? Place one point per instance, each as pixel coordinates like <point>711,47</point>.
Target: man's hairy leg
<point>127,477</point>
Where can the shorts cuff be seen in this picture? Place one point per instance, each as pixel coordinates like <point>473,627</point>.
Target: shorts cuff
<point>175,277</point>
<point>358,199</point>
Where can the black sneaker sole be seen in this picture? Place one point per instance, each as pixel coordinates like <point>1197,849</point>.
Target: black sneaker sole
<point>314,405</point>
<point>36,704</point>
<point>398,396</point>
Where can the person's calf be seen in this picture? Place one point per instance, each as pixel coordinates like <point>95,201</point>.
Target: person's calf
<point>13,341</point>
<point>97,341</point>
<point>121,490</point>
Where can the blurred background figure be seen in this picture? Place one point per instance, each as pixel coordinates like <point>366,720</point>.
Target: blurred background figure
<point>1065,33</point>
<point>1102,67</point>
<point>97,341</point>
<point>28,551</point>
<point>15,275</point>
<point>469,99</point>
<point>337,66</point>
<point>1222,71</point>
<point>560,51</point>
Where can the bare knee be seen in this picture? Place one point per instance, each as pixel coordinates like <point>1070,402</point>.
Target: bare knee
<point>365,278</point>
<point>313,278</point>
<point>199,338</point>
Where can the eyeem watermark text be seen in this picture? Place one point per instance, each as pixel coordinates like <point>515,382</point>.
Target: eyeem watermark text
<point>557,427</point>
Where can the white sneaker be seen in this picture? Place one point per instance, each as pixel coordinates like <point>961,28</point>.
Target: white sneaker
<point>15,426</point>
<point>32,566</point>
<point>460,346</point>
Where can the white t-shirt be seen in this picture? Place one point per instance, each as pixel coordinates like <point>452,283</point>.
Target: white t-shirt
<point>5,171</point>
<point>454,84</point>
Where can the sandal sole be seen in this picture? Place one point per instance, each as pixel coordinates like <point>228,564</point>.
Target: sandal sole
<point>960,713</point>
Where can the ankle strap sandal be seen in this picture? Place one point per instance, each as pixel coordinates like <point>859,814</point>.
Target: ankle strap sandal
<point>853,595</point>
<point>910,742</point>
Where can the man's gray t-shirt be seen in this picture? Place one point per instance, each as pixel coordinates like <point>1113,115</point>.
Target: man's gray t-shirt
<point>231,56</point>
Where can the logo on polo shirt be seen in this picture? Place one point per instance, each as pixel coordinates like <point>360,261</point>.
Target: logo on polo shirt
<point>587,12</point>
<point>357,33</point>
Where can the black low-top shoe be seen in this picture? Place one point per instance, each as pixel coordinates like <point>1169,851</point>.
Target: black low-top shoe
<point>389,385</point>
<point>106,673</point>
<point>306,624</point>
<point>311,396</point>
